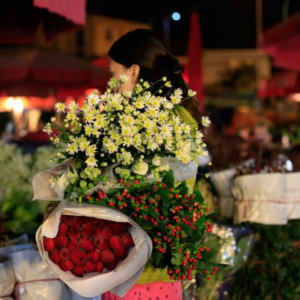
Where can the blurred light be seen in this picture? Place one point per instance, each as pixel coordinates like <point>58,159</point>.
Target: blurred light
<point>295,97</point>
<point>9,103</point>
<point>15,104</point>
<point>176,16</point>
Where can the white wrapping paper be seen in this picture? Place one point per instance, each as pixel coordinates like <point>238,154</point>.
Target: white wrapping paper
<point>260,199</point>
<point>123,277</point>
<point>222,181</point>
<point>272,198</point>
<point>35,278</point>
<point>7,280</point>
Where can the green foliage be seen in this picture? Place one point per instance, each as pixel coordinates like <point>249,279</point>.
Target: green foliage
<point>273,271</point>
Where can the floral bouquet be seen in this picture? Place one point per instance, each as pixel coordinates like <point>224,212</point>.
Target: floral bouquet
<point>124,157</point>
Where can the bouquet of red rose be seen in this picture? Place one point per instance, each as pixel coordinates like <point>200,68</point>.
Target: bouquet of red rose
<point>83,244</point>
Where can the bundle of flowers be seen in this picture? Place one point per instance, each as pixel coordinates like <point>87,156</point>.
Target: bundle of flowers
<point>87,245</point>
<point>129,153</point>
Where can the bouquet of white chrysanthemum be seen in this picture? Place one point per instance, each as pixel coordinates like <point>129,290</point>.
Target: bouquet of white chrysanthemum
<point>124,135</point>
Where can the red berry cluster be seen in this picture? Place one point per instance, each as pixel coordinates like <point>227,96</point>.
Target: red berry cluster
<point>174,219</point>
<point>86,245</point>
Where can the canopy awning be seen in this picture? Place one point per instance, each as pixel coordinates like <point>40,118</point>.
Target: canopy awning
<point>282,42</point>
<point>280,84</point>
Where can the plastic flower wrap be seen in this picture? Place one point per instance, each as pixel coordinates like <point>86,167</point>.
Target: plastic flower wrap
<point>128,154</point>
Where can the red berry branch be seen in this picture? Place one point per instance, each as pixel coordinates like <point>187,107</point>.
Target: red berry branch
<point>175,220</point>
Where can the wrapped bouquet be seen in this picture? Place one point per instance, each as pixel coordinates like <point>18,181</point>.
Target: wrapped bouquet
<point>123,161</point>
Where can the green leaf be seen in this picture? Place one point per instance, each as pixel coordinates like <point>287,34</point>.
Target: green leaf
<point>164,192</point>
<point>166,201</point>
<point>151,211</point>
<point>164,210</point>
<point>210,216</point>
<point>177,259</point>
<point>168,179</point>
<point>157,258</point>
<point>198,196</point>
<point>200,222</point>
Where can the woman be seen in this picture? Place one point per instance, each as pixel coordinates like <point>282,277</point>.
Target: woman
<point>140,55</point>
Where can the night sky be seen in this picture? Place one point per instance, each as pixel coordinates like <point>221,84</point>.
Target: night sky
<point>224,23</point>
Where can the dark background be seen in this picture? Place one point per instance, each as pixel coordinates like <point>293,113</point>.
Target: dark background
<point>224,23</point>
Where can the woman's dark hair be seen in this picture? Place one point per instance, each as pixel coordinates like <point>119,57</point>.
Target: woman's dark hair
<point>143,48</point>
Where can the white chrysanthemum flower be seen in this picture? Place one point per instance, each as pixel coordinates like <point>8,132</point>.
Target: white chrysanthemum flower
<point>164,79</point>
<point>138,88</point>
<point>48,128</point>
<point>91,150</point>
<point>152,145</point>
<point>148,124</point>
<point>52,182</point>
<point>166,130</point>
<point>96,172</point>
<point>179,153</point>
<point>205,121</point>
<point>186,158</point>
<point>60,107</point>
<point>112,83</point>
<point>159,139</point>
<point>83,144</point>
<point>71,116</point>
<point>178,93</point>
<point>89,116</point>
<point>91,162</point>
<point>168,105</point>
<point>88,130</point>
<point>201,152</point>
<point>127,157</point>
<point>129,119</point>
<point>169,145</point>
<point>139,104</point>
<point>137,138</point>
<point>105,97</point>
<point>129,109</point>
<point>100,121</point>
<point>146,84</point>
<point>199,135</point>
<point>85,107</point>
<point>73,105</point>
<point>128,141</point>
<point>119,107</point>
<point>126,130</point>
<point>93,99</point>
<point>114,135</point>
<point>152,112</point>
<point>72,148</point>
<point>177,129</point>
<point>111,147</point>
<point>191,93</point>
<point>124,78</point>
<point>127,94</point>
<point>155,102</point>
<point>96,132</point>
<point>186,129</point>
<point>175,100</point>
<point>168,84</point>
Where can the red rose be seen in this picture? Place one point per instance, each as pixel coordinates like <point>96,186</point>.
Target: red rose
<point>117,245</point>
<point>104,246</point>
<point>64,253</point>
<point>99,267</point>
<point>60,241</point>
<point>48,244</point>
<point>109,259</point>
<point>118,228</point>
<point>98,239</point>
<point>127,239</point>
<point>54,257</point>
<point>87,230</point>
<point>106,233</point>
<point>68,220</point>
<point>78,257</point>
<point>73,244</point>
<point>93,256</point>
<point>73,233</point>
<point>86,245</point>
<point>94,221</point>
<point>123,255</point>
<point>89,267</point>
<point>62,229</point>
<point>66,265</point>
<point>78,271</point>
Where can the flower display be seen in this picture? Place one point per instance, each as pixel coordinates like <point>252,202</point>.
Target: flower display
<point>87,245</point>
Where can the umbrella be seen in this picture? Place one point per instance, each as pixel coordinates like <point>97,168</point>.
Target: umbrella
<point>19,20</point>
<point>41,73</point>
